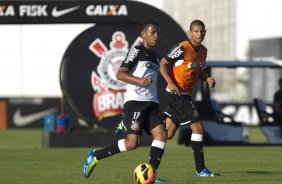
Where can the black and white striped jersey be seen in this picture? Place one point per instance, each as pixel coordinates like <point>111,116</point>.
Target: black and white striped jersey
<point>142,62</point>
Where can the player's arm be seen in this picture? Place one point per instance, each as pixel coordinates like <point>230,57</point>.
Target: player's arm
<point>164,72</point>
<point>130,61</point>
<point>124,75</point>
<point>209,79</point>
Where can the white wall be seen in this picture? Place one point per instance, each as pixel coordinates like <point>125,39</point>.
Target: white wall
<point>257,19</point>
<point>156,3</point>
<point>30,57</point>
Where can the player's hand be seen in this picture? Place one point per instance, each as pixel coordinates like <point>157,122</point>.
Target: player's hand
<point>172,88</point>
<point>211,82</point>
<point>146,81</point>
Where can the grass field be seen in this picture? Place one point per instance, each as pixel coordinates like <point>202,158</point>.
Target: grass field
<point>23,161</point>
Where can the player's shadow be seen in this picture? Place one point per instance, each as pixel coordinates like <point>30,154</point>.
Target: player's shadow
<point>262,172</point>
<point>259,172</point>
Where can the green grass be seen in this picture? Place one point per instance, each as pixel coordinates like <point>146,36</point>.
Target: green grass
<point>256,135</point>
<point>24,138</point>
<point>22,160</point>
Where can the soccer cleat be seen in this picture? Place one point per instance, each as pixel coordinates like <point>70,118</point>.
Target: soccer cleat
<point>89,164</point>
<point>120,127</point>
<point>159,180</point>
<point>206,173</point>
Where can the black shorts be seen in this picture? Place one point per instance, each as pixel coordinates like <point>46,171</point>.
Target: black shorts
<point>141,115</point>
<point>181,109</point>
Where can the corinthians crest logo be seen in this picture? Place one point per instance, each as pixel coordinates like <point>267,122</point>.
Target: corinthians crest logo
<point>109,92</point>
<point>88,71</point>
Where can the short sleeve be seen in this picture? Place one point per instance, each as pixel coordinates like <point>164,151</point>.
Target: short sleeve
<point>176,53</point>
<point>131,57</point>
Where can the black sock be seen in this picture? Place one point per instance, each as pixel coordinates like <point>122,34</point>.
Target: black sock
<point>198,152</point>
<point>155,156</point>
<point>107,151</point>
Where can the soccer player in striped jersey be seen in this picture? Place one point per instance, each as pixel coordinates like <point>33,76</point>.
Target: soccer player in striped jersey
<point>187,60</point>
<point>140,71</point>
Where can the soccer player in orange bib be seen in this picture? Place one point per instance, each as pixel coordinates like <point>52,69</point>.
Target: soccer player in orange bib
<point>187,60</point>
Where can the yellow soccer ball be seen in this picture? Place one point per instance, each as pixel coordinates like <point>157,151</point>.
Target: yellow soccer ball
<point>144,174</point>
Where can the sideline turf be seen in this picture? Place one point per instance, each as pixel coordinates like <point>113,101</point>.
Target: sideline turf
<point>22,160</point>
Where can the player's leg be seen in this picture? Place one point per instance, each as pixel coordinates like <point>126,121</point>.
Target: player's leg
<point>172,114</point>
<point>157,148</point>
<point>170,128</point>
<point>129,143</point>
<point>134,130</point>
<point>158,145</point>
<point>156,127</point>
<point>197,147</point>
<point>94,156</point>
<point>189,116</point>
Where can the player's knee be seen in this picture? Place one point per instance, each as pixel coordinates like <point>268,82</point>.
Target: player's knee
<point>197,128</point>
<point>132,144</point>
<point>160,135</point>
